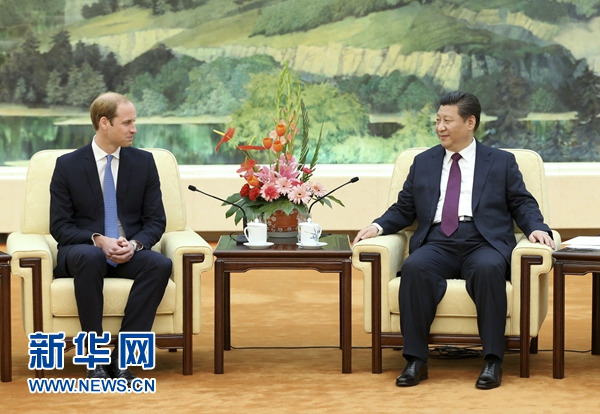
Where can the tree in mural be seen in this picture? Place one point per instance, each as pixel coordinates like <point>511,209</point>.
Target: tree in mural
<point>110,71</point>
<point>100,8</point>
<point>56,92</point>
<point>27,70</point>
<point>59,57</point>
<point>587,131</point>
<point>85,84</point>
<point>513,94</point>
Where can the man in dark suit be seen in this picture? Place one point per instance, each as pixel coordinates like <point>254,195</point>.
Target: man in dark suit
<point>92,244</point>
<point>472,240</point>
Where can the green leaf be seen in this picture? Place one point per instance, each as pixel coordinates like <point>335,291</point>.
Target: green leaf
<point>313,163</point>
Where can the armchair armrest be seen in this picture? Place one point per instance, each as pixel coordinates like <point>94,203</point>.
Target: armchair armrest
<point>32,260</point>
<point>526,248</point>
<point>176,244</point>
<point>530,265</point>
<point>390,250</point>
<point>29,246</point>
<point>191,256</point>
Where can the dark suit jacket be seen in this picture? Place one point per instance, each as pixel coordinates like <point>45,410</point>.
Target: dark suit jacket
<point>499,196</point>
<point>77,203</point>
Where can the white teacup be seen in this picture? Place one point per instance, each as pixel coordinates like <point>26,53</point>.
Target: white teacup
<point>309,233</point>
<point>256,233</point>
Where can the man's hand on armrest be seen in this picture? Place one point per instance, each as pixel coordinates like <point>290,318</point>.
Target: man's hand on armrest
<point>540,236</point>
<point>366,233</point>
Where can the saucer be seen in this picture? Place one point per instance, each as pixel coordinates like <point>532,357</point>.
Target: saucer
<point>266,245</point>
<point>312,246</point>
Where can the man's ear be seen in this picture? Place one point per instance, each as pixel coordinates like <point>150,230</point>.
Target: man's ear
<point>471,122</point>
<point>104,122</point>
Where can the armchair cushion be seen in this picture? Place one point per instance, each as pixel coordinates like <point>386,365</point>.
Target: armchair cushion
<point>116,292</point>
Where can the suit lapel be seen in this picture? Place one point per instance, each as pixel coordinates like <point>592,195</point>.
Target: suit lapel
<point>123,178</point>
<point>483,163</point>
<point>91,173</point>
<point>434,177</point>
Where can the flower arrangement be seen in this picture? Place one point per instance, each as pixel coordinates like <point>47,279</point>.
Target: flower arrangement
<point>283,183</point>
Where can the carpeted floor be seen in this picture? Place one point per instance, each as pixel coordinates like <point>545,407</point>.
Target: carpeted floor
<point>274,310</point>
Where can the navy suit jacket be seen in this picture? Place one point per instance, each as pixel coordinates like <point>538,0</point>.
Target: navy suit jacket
<point>77,202</point>
<point>499,197</point>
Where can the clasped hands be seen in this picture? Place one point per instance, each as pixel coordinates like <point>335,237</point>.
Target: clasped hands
<point>118,250</point>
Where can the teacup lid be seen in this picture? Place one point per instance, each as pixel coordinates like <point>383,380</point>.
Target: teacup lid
<point>308,222</point>
<point>257,223</point>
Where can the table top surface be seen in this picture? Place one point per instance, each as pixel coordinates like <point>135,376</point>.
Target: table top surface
<point>569,253</point>
<point>337,245</point>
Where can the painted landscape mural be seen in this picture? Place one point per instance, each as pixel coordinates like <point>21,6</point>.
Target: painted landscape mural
<point>371,72</point>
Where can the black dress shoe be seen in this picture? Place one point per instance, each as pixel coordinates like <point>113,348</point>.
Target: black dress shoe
<point>98,372</point>
<point>414,372</point>
<point>116,372</point>
<point>491,375</point>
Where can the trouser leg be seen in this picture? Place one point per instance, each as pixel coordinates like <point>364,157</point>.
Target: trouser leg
<point>151,272</point>
<point>87,265</point>
<point>485,273</point>
<point>422,287</point>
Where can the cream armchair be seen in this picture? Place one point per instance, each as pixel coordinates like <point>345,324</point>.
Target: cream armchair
<point>380,258</point>
<point>49,304</point>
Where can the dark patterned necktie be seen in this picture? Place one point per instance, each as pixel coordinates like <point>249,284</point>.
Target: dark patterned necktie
<point>111,223</point>
<point>450,209</point>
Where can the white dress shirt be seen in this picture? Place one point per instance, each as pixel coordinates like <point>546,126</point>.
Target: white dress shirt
<point>467,172</point>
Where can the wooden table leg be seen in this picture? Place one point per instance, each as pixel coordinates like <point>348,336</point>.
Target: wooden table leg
<point>558,352</point>
<point>5,320</point>
<point>219,316</point>
<point>595,314</point>
<point>188,305</point>
<point>341,306</point>
<point>346,300</point>
<point>227,311</point>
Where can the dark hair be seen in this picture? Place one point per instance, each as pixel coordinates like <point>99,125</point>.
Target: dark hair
<point>467,103</point>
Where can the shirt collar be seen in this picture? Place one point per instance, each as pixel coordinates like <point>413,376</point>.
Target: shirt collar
<point>99,152</point>
<point>467,153</point>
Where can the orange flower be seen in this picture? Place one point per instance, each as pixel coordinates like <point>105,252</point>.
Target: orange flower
<point>253,180</point>
<point>247,166</point>
<point>280,129</point>
<point>226,137</point>
<point>267,142</point>
<point>277,145</point>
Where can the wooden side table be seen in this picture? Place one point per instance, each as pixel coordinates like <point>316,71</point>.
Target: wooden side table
<point>576,262</point>
<point>335,257</point>
<point>5,330</point>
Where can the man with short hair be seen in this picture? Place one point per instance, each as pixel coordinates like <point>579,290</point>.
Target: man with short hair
<point>106,213</point>
<point>464,196</point>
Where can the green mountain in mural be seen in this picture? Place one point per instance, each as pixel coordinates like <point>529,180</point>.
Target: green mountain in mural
<point>447,44</point>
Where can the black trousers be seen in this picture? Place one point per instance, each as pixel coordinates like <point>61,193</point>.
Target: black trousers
<point>86,263</point>
<point>464,255</point>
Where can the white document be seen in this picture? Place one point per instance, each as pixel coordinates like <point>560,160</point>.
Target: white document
<point>583,242</point>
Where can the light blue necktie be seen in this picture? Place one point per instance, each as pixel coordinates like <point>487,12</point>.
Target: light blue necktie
<point>111,223</point>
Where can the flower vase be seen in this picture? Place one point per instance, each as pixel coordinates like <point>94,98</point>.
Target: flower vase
<point>282,225</point>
